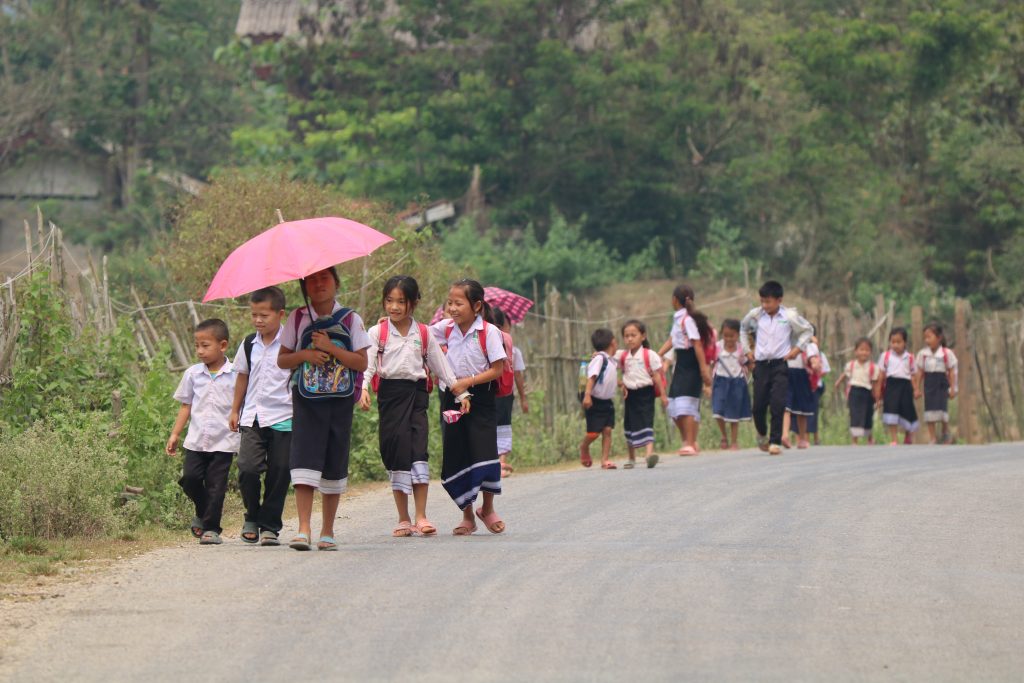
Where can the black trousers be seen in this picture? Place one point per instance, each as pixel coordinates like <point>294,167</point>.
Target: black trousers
<point>264,451</point>
<point>771,389</point>
<point>204,479</point>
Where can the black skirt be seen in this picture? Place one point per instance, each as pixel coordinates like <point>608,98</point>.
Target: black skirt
<point>402,429</point>
<point>470,461</point>
<point>321,436</point>
<point>503,409</point>
<point>898,405</point>
<point>686,379</point>
<point>862,411</point>
<point>936,395</point>
<point>638,422</point>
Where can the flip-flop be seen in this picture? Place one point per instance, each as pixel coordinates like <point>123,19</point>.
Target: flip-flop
<point>723,444</point>
<point>464,528</point>
<point>326,543</point>
<point>628,465</point>
<point>425,528</point>
<point>269,538</point>
<point>210,538</point>
<point>197,526</point>
<point>403,530</point>
<point>491,521</point>
<point>687,450</point>
<point>586,460</point>
<point>652,460</point>
<point>300,542</point>
<point>250,528</point>
<point>608,466</point>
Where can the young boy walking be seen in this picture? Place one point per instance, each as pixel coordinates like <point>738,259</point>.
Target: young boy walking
<point>262,413</point>
<point>772,335</point>
<point>205,392</point>
<point>602,380</point>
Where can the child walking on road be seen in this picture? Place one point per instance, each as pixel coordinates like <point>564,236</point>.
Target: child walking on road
<point>937,371</point>
<point>399,375</point>
<point>505,404</point>
<point>690,338</point>
<point>642,383</point>
<point>205,393</point>
<point>863,390</point>
<point>898,388</point>
<point>730,395</point>
<point>262,414</point>
<point>598,407</point>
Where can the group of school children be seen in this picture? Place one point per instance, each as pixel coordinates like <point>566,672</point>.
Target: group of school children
<point>778,348</point>
<point>286,401</point>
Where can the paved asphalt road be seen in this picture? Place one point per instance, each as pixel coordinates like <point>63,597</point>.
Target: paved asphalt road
<point>829,564</point>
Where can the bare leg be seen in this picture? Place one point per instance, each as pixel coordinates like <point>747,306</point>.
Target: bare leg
<point>787,422</point>
<point>893,433</point>
<point>419,495</point>
<point>585,445</point>
<point>735,429</point>
<point>329,502</point>
<point>801,427</point>
<point>632,453</point>
<point>304,506</point>
<point>606,444</point>
<point>681,426</point>
<point>691,431</point>
<point>402,503</point>
<point>721,427</point>
<point>931,432</point>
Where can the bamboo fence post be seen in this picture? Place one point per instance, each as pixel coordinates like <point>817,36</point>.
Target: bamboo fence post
<point>195,314</point>
<point>28,248</point>
<point>107,308</point>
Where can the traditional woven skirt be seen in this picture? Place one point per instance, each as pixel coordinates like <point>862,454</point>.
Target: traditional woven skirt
<point>402,430</point>
<point>936,397</point>
<point>638,422</point>
<point>800,400</point>
<point>470,463</point>
<point>730,399</point>
<point>684,392</point>
<point>321,435</point>
<point>898,405</point>
<point>862,411</point>
<point>503,412</point>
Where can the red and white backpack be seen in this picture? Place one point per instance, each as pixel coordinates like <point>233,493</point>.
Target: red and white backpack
<point>647,363</point>
<point>506,382</point>
<point>382,342</point>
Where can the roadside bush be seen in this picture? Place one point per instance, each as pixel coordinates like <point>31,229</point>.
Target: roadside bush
<point>60,477</point>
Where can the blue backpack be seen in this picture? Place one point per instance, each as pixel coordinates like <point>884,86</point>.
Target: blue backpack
<point>332,379</point>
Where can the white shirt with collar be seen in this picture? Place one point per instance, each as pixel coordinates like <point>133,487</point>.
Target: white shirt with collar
<point>403,355</point>
<point>604,387</point>
<point>267,398</point>
<point>298,321</point>
<point>730,363</point>
<point>464,353</point>
<point>634,368</point>
<point>899,366</point>
<point>798,363</point>
<point>210,397</point>
<point>684,330</point>
<point>775,335</point>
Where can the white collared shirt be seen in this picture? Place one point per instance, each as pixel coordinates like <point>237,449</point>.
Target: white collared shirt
<point>606,387</point>
<point>684,330</point>
<point>900,366</point>
<point>403,356</point>
<point>268,398</point>
<point>464,353</point>
<point>211,398</point>
<point>862,375</point>
<point>774,336</point>
<point>729,363</point>
<point>634,367</point>
<point>518,364</point>
<point>798,363</point>
<point>293,330</point>
<point>941,359</point>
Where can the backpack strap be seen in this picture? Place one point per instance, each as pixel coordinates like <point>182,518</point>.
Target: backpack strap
<point>424,340</point>
<point>483,342</point>
<point>382,340</point>
<point>604,366</point>
<point>885,362</point>
<point>647,360</point>
<point>247,348</point>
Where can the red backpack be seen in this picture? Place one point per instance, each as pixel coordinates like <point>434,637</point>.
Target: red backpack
<point>710,344</point>
<point>507,380</point>
<point>885,367</point>
<point>871,376</point>
<point>382,342</point>
<point>647,364</point>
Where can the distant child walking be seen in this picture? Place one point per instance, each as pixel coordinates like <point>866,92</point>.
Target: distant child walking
<point>476,352</point>
<point>730,394</point>
<point>804,378</point>
<point>690,339</point>
<point>262,414</point>
<point>399,374</point>
<point>863,390</point>
<point>642,383</point>
<point>205,393</point>
<point>325,354</point>
<point>898,381</point>
<point>598,407</point>
<point>772,335</point>
<point>937,371</point>
<point>505,404</point>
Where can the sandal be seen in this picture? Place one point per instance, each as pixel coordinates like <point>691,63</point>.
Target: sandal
<point>652,460</point>
<point>492,521</point>
<point>269,538</point>
<point>786,443</point>
<point>425,528</point>
<point>326,543</point>
<point>197,526</point>
<point>585,460</point>
<point>403,530</point>
<point>210,538</point>
<point>629,464</point>
<point>464,528</point>
<point>723,444</point>
<point>608,466</point>
<point>687,450</point>
<point>300,542</point>
<point>250,532</point>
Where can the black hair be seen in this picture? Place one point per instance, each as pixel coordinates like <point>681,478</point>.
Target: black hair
<point>730,324</point>
<point>215,326</point>
<point>273,295</point>
<point>899,332</point>
<point>407,285</point>
<point>639,325</point>
<point>474,292</point>
<point>330,269</point>
<point>863,340</point>
<point>771,289</point>
<point>685,295</point>
<point>500,319</point>
<point>936,329</point>
<point>602,338</point>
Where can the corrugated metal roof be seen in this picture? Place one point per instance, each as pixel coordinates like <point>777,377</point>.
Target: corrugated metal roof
<point>269,17</point>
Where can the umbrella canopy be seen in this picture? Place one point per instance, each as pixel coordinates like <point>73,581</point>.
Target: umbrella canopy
<point>290,251</point>
<point>514,305</point>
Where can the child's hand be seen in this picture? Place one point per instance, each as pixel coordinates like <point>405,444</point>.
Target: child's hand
<point>315,357</point>
<point>750,359</point>
<point>664,401</point>
<point>233,421</point>
<point>172,445</point>
<point>364,400</point>
<point>588,402</point>
<point>625,391</point>
<point>707,390</point>
<point>952,392</point>
<point>918,393</point>
<point>706,376</point>
<point>525,406</point>
<point>465,406</point>
<point>322,342</point>
<point>461,386</point>
<point>793,353</point>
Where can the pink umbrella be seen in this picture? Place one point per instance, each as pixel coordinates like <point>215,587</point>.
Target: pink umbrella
<point>514,305</point>
<point>290,251</point>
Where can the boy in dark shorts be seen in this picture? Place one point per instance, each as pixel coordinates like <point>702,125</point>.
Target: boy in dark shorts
<point>602,381</point>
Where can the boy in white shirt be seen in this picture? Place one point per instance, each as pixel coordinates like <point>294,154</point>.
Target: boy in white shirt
<point>262,414</point>
<point>602,380</point>
<point>206,392</point>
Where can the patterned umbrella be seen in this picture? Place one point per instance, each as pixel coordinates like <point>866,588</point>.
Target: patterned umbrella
<point>514,305</point>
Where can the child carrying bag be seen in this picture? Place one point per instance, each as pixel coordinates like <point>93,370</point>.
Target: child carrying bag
<point>506,382</point>
<point>647,364</point>
<point>383,334</point>
<point>332,379</point>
